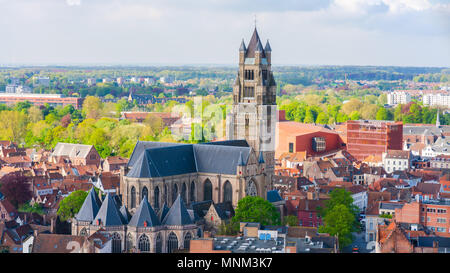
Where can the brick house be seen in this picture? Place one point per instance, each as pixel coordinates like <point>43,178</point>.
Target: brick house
<point>78,154</point>
<point>7,210</point>
<point>113,163</point>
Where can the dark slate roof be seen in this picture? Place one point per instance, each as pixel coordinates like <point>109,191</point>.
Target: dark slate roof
<point>142,145</point>
<point>236,142</point>
<point>165,161</point>
<point>273,196</point>
<point>259,47</point>
<point>194,215</point>
<point>201,207</point>
<point>241,160</point>
<point>126,216</point>
<point>242,47</point>
<point>144,214</point>
<point>261,157</point>
<point>253,46</point>
<point>90,207</point>
<point>391,206</point>
<point>178,214</point>
<point>221,158</point>
<point>223,208</point>
<point>109,214</point>
<point>267,48</point>
<point>428,241</point>
<point>163,212</point>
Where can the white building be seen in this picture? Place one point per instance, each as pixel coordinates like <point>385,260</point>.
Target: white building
<point>436,100</point>
<point>396,97</point>
<point>395,160</point>
<point>45,81</point>
<point>11,88</point>
<point>360,199</point>
<point>440,147</point>
<point>18,89</point>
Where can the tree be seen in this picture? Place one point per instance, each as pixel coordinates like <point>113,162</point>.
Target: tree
<point>92,107</point>
<point>155,123</point>
<point>256,209</point>
<point>13,125</point>
<point>65,120</point>
<point>339,221</point>
<point>382,114</point>
<point>228,229</point>
<point>16,188</point>
<point>322,118</point>
<point>70,205</point>
<point>309,117</point>
<point>369,111</point>
<point>355,115</point>
<point>290,220</point>
<point>339,216</point>
<point>351,105</point>
<point>34,114</point>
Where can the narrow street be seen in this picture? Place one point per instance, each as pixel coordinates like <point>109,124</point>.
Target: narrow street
<point>360,242</point>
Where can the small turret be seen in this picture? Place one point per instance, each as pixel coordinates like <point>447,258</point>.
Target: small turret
<point>268,51</point>
<point>242,48</point>
<point>267,48</point>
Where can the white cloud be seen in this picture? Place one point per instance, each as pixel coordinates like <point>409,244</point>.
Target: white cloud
<point>393,6</point>
<point>118,12</point>
<point>400,32</point>
<point>73,2</point>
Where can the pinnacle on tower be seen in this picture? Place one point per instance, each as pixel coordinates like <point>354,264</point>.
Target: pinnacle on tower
<point>242,48</point>
<point>259,47</point>
<point>267,48</point>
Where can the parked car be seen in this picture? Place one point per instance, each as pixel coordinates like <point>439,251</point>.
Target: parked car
<point>355,249</point>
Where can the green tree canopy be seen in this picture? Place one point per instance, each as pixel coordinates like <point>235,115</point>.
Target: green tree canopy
<point>339,221</point>
<point>290,220</point>
<point>70,205</point>
<point>339,216</point>
<point>256,209</point>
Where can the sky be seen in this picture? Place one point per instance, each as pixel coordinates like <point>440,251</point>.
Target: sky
<point>199,32</point>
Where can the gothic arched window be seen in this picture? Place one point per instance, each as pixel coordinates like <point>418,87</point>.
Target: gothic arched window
<point>116,243</point>
<point>165,194</point>
<point>172,243</point>
<point>251,188</point>
<point>144,193</point>
<point>129,242</point>
<point>156,197</point>
<point>183,193</point>
<point>192,191</point>
<point>187,240</point>
<point>83,232</point>
<point>207,190</point>
<point>158,244</point>
<point>227,192</point>
<point>144,243</point>
<point>133,197</point>
<point>174,193</point>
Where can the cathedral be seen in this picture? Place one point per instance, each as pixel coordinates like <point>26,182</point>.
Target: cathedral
<point>162,175</point>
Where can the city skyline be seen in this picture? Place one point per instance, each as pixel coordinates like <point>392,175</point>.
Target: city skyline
<point>134,32</point>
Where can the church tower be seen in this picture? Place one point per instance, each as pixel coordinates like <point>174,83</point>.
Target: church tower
<point>253,115</point>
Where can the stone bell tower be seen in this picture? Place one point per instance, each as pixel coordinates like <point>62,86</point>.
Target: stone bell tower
<point>253,115</point>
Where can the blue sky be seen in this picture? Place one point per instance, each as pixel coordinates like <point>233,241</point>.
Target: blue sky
<point>316,32</point>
